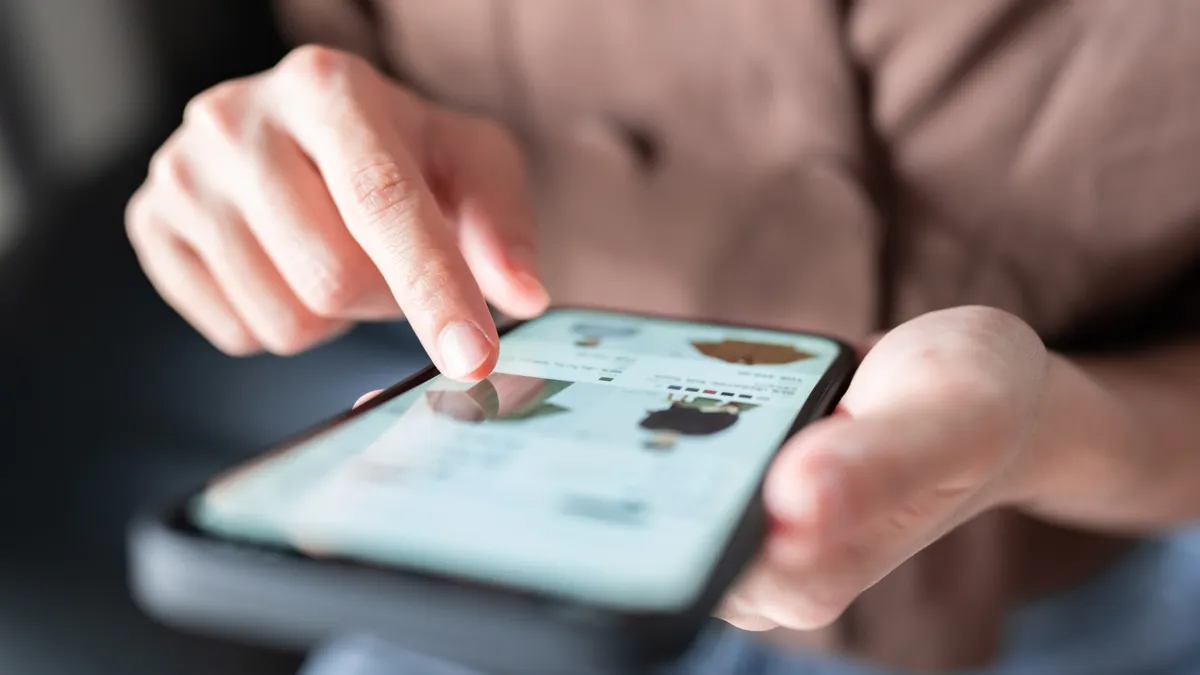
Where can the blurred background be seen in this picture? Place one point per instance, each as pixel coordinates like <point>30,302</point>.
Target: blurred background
<point>110,402</point>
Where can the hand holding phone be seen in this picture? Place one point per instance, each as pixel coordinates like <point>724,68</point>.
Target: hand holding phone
<point>586,506</point>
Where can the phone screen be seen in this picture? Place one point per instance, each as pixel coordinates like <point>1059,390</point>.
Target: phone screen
<point>606,461</point>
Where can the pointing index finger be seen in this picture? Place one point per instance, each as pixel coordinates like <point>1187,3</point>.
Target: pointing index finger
<point>336,107</point>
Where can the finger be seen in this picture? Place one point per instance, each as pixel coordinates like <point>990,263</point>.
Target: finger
<point>478,172</point>
<point>857,495</point>
<point>804,589</point>
<point>389,210</point>
<point>930,419</point>
<point>931,416</point>
<point>183,281</point>
<point>799,597</point>
<point>256,290</point>
<point>848,473</point>
<point>367,397</point>
<point>290,212</point>
<point>738,612</point>
<point>749,622</point>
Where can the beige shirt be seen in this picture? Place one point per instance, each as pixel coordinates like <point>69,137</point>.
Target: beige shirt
<point>835,165</point>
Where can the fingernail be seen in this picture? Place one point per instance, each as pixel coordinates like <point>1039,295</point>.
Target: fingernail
<point>523,265</point>
<point>463,349</point>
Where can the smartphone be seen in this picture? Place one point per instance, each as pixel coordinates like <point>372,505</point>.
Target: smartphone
<point>581,510</point>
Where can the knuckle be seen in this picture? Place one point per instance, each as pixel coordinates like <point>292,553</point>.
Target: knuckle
<point>999,338</point>
<point>230,337</point>
<point>328,291</point>
<point>215,236</point>
<point>169,168</point>
<point>830,486</point>
<point>236,347</point>
<point>918,512</point>
<point>316,66</point>
<point>292,334</point>
<point>219,110</point>
<point>426,281</point>
<point>382,189</point>
<point>286,345</point>
<point>239,345</point>
<point>137,217</point>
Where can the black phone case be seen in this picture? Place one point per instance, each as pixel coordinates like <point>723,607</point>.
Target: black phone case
<point>252,593</point>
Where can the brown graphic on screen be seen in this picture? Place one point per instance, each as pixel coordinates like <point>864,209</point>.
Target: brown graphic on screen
<point>751,353</point>
<point>498,398</point>
<point>695,417</point>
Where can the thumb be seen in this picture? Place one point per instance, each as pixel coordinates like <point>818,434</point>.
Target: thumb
<point>933,412</point>
<point>849,473</point>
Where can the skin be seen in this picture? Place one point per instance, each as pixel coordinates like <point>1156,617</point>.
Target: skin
<point>293,203</point>
<point>296,202</point>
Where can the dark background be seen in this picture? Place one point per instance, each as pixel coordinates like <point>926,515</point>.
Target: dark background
<point>110,402</point>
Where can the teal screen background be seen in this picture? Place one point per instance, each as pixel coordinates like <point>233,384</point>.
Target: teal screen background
<point>605,461</point>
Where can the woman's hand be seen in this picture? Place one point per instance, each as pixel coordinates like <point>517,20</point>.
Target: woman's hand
<point>295,202</point>
<point>939,424</point>
<point>948,416</point>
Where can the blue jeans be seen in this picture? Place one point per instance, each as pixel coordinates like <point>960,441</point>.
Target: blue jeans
<point>1140,617</point>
